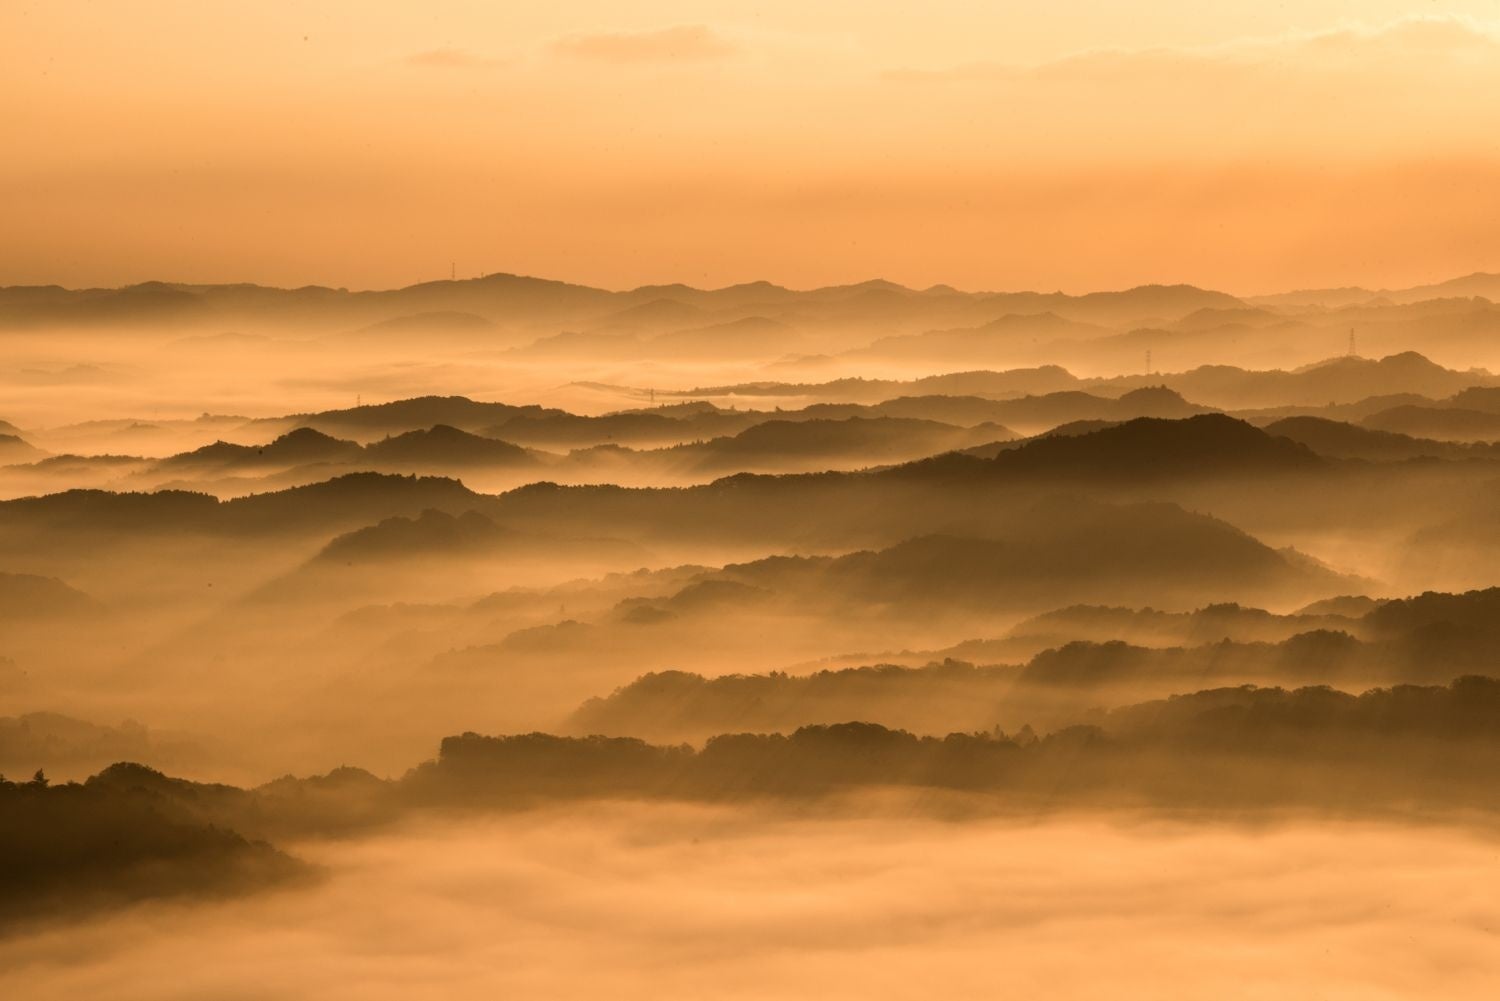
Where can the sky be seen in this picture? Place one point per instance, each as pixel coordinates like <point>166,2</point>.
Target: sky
<point>1075,145</point>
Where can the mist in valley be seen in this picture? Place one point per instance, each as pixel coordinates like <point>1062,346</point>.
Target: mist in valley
<point>829,681</point>
<point>655,602</point>
<point>680,901</point>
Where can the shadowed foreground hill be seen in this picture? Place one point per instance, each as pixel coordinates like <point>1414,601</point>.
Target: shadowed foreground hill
<point>125,834</point>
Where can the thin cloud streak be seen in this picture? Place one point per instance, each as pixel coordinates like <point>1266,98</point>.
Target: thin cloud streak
<point>683,43</point>
<point>1443,37</point>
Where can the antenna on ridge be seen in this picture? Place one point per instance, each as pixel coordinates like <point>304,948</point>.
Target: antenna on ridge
<point>1352,352</point>
<point>1148,361</point>
<point>453,271</point>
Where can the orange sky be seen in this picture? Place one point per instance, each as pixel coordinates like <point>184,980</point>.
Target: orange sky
<point>1077,144</point>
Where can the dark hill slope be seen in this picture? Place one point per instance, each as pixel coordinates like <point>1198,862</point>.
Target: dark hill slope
<point>446,446</point>
<point>1340,440</point>
<point>1142,450</point>
<point>1062,551</point>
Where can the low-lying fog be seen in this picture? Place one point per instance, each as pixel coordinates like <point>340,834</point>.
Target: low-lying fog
<point>666,901</point>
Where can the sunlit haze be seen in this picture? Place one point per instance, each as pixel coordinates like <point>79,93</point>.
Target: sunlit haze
<point>769,501</point>
<point>1077,145</point>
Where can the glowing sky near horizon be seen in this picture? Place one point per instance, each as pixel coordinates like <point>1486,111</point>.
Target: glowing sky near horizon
<point>1079,144</point>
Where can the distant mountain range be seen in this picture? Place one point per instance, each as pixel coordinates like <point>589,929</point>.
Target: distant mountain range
<point>758,309</point>
<point>1342,380</point>
<point>1478,285</point>
<point>509,297</point>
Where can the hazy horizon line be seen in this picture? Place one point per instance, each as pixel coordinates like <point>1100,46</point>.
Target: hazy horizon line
<point>879,281</point>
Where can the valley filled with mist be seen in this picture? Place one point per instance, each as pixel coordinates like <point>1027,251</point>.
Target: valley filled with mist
<point>510,636</point>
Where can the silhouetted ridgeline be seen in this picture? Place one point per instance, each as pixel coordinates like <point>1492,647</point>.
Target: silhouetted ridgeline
<point>301,445</point>
<point>1209,624</point>
<point>342,503</point>
<point>523,299</point>
<point>126,833</point>
<point>774,444</point>
<point>443,445</point>
<point>1427,639</point>
<point>1424,638</point>
<point>1339,440</point>
<point>675,706</point>
<point>1342,381</point>
<point>1035,549</point>
<point>454,435</point>
<point>431,533</point>
<point>130,831</point>
<point>1312,747</point>
<point>1147,458</point>
<point>1145,448</point>
<point>417,412</point>
<point>1065,548</point>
